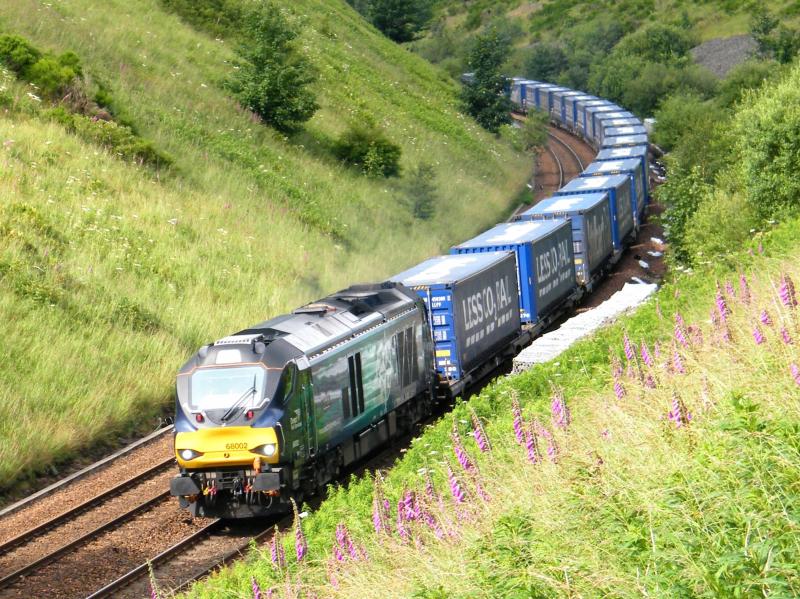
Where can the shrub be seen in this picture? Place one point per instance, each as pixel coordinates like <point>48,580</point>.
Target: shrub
<point>17,53</point>
<point>484,99</point>
<point>367,147</point>
<point>545,62</point>
<point>216,17</point>
<point>420,188</point>
<point>400,20</point>
<point>275,81</point>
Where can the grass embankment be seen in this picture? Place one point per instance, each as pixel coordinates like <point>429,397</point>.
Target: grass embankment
<point>112,273</point>
<point>673,475</point>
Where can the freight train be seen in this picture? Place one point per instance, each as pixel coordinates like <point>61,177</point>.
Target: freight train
<point>276,411</point>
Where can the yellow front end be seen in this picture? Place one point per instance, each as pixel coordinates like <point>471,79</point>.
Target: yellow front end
<point>227,446</point>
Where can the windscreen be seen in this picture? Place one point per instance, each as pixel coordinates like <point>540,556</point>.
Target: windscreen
<point>220,388</point>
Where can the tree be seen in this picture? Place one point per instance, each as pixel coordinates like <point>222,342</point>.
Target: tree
<point>546,62</point>
<point>400,20</point>
<point>484,99</point>
<point>534,130</point>
<point>274,82</point>
<point>421,191</point>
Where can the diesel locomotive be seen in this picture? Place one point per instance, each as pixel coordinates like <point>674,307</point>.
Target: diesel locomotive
<point>276,411</point>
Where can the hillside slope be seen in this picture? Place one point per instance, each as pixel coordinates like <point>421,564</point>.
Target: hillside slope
<point>112,273</point>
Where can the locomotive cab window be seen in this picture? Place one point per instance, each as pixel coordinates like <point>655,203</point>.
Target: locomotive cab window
<point>220,388</point>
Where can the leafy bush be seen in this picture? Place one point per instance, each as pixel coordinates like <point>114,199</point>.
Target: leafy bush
<point>721,223</point>
<point>420,188</point>
<point>484,98</point>
<point>748,75</point>
<point>534,130</point>
<point>216,17</point>
<point>274,83</point>
<point>545,62</point>
<point>657,43</point>
<point>17,53</point>
<point>367,147</point>
<point>51,74</point>
<point>400,20</point>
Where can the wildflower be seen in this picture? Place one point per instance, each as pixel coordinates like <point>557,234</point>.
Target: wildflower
<point>695,334</point>
<point>619,390</point>
<point>402,530</point>
<point>787,338</point>
<point>787,293</point>
<point>650,382</point>
<point>380,506</point>
<point>561,416</point>
<point>345,542</point>
<point>256,588</point>
<point>300,545</point>
<point>722,306</point>
<point>276,549</point>
<point>657,350</point>
<point>458,449</point>
<point>679,414</point>
<point>758,336</point>
<point>337,552</point>
<point>680,336</point>
<point>677,363</point>
<point>616,367</point>
<point>744,290</point>
<point>628,347</point>
<point>331,569</point>
<point>605,433</point>
<point>479,433</point>
<point>482,493</point>
<point>795,373</point>
<point>532,445</point>
<point>519,435</point>
<point>765,318</point>
<point>552,448</point>
<point>455,489</point>
<point>729,289</point>
<point>646,357</point>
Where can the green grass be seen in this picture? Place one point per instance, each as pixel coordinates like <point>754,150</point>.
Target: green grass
<point>633,504</point>
<point>112,273</point>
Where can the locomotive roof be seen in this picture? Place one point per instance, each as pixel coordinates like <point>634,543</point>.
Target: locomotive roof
<point>320,325</point>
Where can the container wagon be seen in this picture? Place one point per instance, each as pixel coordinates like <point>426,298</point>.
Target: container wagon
<point>621,131</point>
<point>473,310</point>
<point>545,262</point>
<point>590,215</point>
<point>572,110</point>
<point>537,94</point>
<point>619,190</point>
<point>592,113</point>
<point>561,99</point>
<point>632,167</point>
<point>622,141</point>
<point>584,115</point>
<point>640,153</point>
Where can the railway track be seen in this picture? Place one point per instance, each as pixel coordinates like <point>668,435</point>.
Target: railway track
<point>574,155</point>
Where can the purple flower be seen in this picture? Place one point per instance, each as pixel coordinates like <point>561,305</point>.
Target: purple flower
<point>646,357</point>
<point>657,350</point>
<point>458,449</point>
<point>795,373</point>
<point>380,507</point>
<point>677,363</point>
<point>679,414</point>
<point>515,409</point>
<point>256,588</point>
<point>727,337</point>
<point>650,382</point>
<point>787,338</point>
<point>552,448</point>
<point>765,318</point>
<point>337,552</point>
<point>455,489</point>
<point>696,334</point>
<point>402,530</point>
<point>758,336</point>
<point>482,493</point>
<point>680,336</point>
<point>154,592</point>
<point>722,306</point>
<point>344,542</point>
<point>481,438</point>
<point>276,549</point>
<point>532,445</point>
<point>786,292</point>
<point>560,412</point>
<point>729,289</point>
<point>744,290</point>
<point>628,346</point>
<point>619,390</point>
<point>616,367</point>
<point>679,321</point>
<point>300,545</point>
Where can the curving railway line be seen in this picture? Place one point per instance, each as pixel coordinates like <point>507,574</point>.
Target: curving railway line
<point>104,545</point>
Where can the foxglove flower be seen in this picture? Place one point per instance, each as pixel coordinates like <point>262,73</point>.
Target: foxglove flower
<point>619,390</point>
<point>679,321</point>
<point>680,336</point>
<point>380,507</point>
<point>300,545</point>
<point>722,306</point>
<point>677,363</point>
<point>458,449</point>
<point>765,318</point>
<point>787,292</point>
<point>657,350</point>
<point>518,434</point>
<point>729,289</point>
<point>532,445</point>
<point>481,438</point>
<point>695,334</point>
<point>758,336</point>
<point>679,414</point>
<point>616,367</point>
<point>787,338</point>
<point>560,412</point>
<point>630,353</point>
<point>276,549</point>
<point>650,382</point>
<point>402,529</point>
<point>744,290</point>
<point>795,373</point>
<point>455,489</point>
<point>646,357</point>
<point>256,588</point>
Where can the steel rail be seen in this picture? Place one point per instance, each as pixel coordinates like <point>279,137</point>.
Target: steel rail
<point>143,569</point>
<point>560,167</point>
<point>574,154</point>
<point>50,489</point>
<point>9,579</point>
<point>32,533</point>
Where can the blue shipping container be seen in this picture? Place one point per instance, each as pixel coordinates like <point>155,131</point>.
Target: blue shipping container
<point>473,307</point>
<point>591,118</point>
<point>628,130</point>
<point>640,153</point>
<point>537,93</point>
<point>545,261</point>
<point>572,108</point>
<point>561,99</point>
<point>585,121</point>
<point>631,167</point>
<point>619,190</point>
<point>621,141</point>
<point>590,216</point>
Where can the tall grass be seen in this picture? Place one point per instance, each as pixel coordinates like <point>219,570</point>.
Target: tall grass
<point>656,459</point>
<point>111,274</point>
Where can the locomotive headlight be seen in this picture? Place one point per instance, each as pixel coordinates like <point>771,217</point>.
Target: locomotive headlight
<point>189,454</point>
<point>268,449</point>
